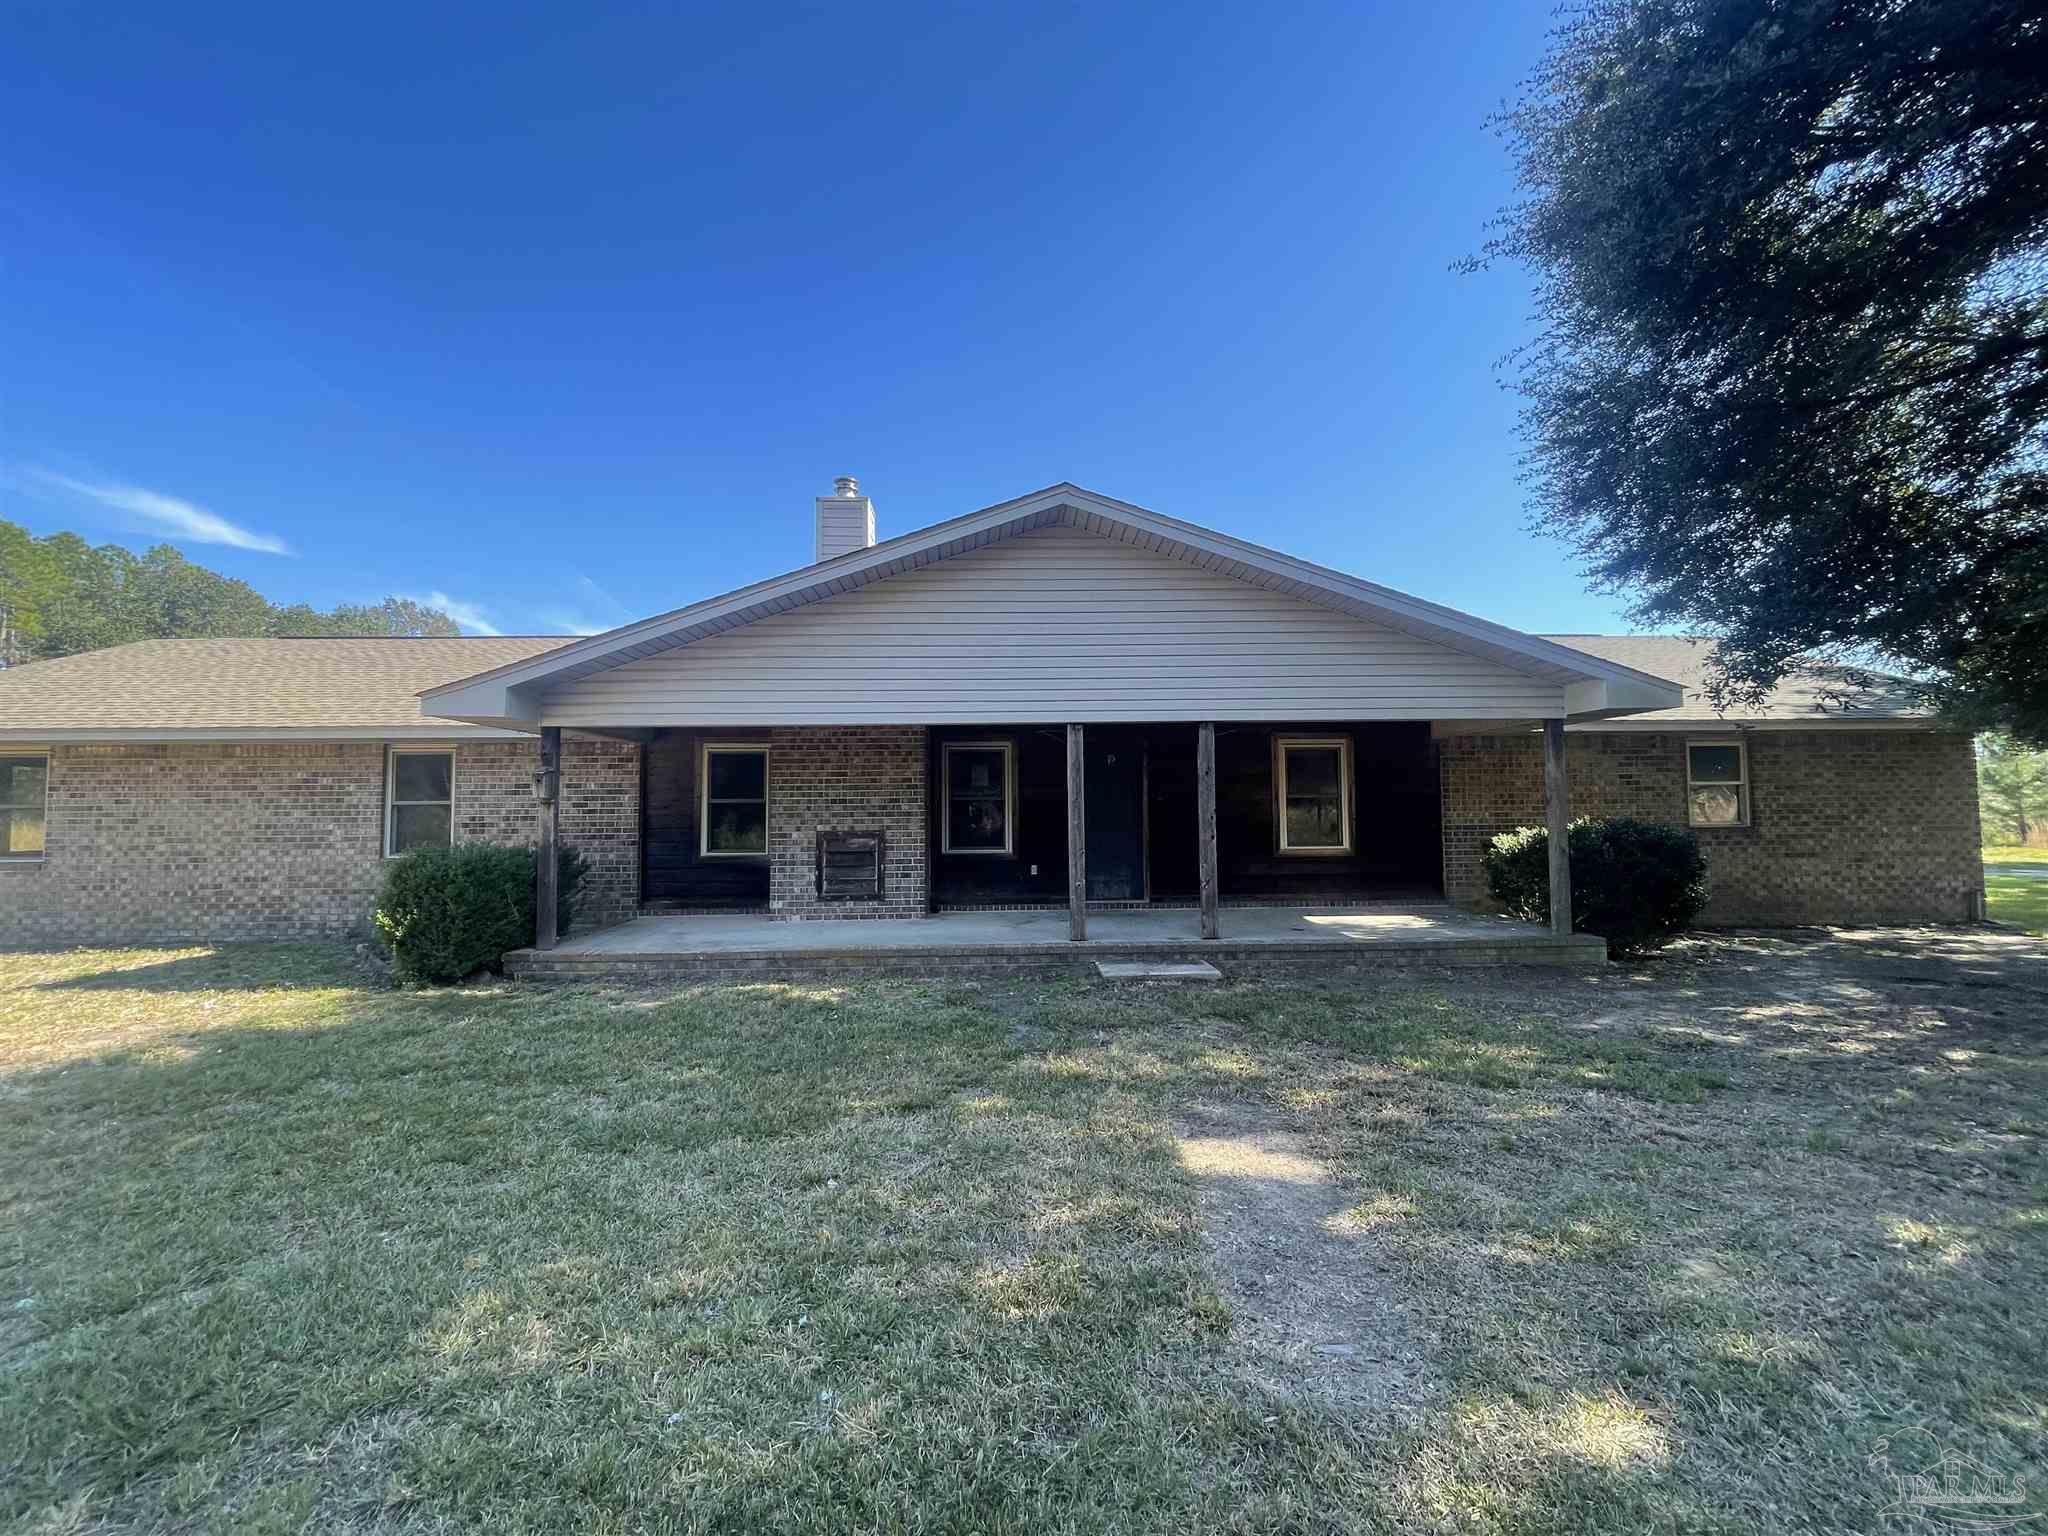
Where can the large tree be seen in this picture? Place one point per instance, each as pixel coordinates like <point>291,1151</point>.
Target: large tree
<point>1791,382</point>
<point>2012,789</point>
<point>59,594</point>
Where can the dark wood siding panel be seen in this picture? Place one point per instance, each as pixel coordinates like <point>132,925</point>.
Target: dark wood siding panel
<point>1172,812</point>
<point>1396,817</point>
<point>1039,838</point>
<point>672,870</point>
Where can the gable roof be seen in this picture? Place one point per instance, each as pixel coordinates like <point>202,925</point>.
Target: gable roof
<point>214,690</point>
<point>1812,695</point>
<point>511,694</point>
<point>378,689</point>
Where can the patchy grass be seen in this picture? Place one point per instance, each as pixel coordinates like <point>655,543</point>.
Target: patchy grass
<point>2021,900</point>
<point>1678,1247</point>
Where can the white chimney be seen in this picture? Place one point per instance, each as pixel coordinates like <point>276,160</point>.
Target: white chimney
<point>846,520</point>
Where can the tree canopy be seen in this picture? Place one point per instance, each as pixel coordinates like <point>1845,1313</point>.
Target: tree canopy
<point>2012,789</point>
<point>1791,383</point>
<point>59,594</point>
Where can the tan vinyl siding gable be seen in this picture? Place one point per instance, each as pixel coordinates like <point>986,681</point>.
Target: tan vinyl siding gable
<point>1053,625</point>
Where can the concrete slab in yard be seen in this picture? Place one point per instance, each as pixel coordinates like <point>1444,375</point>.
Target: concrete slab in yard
<point>1162,970</point>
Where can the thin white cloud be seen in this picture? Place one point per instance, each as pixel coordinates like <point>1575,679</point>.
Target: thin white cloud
<point>605,599</point>
<point>606,613</point>
<point>181,518</point>
<point>469,615</point>
<point>557,621</point>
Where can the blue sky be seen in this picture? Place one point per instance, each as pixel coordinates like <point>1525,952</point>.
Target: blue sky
<point>568,312</point>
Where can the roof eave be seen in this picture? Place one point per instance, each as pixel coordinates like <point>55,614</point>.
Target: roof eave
<point>1712,724</point>
<point>1608,698</point>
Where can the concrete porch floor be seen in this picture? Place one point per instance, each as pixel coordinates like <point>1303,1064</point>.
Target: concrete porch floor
<point>1254,937</point>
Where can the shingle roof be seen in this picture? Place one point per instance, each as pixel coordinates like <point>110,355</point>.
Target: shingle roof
<point>200,688</point>
<point>369,688</point>
<point>1818,695</point>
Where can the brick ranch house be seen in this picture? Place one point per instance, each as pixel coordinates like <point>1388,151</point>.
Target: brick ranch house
<point>1061,700</point>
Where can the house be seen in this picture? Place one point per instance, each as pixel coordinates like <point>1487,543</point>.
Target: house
<point>1062,701</point>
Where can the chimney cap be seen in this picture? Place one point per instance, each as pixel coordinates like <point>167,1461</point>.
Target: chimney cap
<point>845,485</point>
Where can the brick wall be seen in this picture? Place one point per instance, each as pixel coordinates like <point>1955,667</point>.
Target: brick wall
<point>600,812</point>
<point>263,840</point>
<point>846,779</point>
<point>1845,826</point>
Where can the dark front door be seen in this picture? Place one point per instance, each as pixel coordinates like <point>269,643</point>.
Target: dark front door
<point>1116,815</point>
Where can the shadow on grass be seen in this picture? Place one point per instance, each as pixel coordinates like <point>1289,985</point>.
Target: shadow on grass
<point>808,1249</point>
<point>584,1238</point>
<point>219,968</point>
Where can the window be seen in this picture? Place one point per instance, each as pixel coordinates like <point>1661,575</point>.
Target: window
<point>24,791</point>
<point>1717,783</point>
<point>732,810</point>
<point>1311,793</point>
<point>419,798</point>
<point>981,785</point>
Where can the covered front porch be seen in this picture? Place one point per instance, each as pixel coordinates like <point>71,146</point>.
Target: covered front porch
<point>1256,832</point>
<point>1249,940</point>
<point>1020,814</point>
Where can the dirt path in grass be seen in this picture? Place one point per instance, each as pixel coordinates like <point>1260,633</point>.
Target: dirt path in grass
<point>1318,1300</point>
<point>1316,1308</point>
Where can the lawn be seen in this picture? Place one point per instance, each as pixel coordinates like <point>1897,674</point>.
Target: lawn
<point>2016,898</point>
<point>2021,900</point>
<point>2010,854</point>
<point>1679,1247</point>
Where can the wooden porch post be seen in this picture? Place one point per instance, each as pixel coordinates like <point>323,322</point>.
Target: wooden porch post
<point>1205,822</point>
<point>1557,802</point>
<point>1077,835</point>
<point>545,869</point>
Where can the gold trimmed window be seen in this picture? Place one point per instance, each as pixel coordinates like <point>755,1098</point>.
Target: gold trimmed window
<point>732,800</point>
<point>1312,793</point>
<point>980,797</point>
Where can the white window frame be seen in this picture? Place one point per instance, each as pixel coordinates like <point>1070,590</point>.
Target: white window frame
<point>1281,746</point>
<point>42,853</point>
<point>392,752</point>
<point>1009,751</point>
<point>1741,783</point>
<point>705,752</point>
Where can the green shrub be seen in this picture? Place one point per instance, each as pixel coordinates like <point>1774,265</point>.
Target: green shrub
<point>1635,883</point>
<point>447,912</point>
